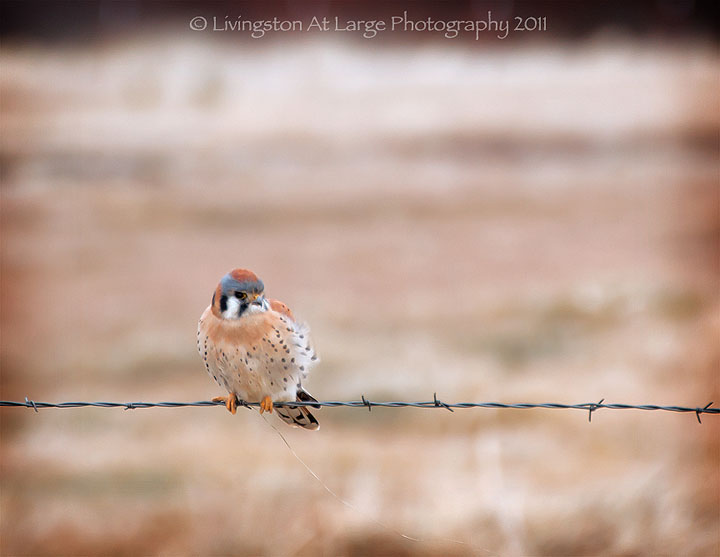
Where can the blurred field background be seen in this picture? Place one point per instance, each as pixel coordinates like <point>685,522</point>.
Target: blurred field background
<point>535,220</point>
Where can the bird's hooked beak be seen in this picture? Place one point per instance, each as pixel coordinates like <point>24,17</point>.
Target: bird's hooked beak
<point>258,300</point>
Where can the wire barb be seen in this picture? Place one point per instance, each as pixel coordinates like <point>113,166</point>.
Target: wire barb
<point>589,407</point>
<point>592,407</point>
<point>699,411</point>
<point>439,403</point>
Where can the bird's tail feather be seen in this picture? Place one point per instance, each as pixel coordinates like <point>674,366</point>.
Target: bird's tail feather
<point>299,416</point>
<point>304,396</point>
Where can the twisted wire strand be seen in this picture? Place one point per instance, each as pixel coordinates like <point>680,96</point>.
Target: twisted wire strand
<point>589,407</point>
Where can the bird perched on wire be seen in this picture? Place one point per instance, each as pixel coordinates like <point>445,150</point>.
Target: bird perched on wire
<point>253,347</point>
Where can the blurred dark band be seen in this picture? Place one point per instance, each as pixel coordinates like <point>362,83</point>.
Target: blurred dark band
<point>82,20</point>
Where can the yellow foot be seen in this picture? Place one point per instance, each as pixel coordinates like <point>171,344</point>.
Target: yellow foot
<point>230,401</point>
<point>266,405</point>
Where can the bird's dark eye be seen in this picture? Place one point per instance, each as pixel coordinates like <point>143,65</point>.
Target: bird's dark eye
<point>241,295</point>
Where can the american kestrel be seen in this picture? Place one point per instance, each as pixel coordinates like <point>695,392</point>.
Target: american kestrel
<point>254,348</point>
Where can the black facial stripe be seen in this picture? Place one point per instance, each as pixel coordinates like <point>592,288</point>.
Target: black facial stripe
<point>223,303</point>
<point>242,309</point>
<point>213,300</point>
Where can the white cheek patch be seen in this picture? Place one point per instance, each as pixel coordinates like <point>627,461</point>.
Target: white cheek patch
<point>233,305</point>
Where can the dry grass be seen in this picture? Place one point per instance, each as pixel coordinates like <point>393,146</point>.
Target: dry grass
<point>488,235</point>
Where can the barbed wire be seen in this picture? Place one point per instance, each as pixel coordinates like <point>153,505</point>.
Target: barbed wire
<point>589,407</point>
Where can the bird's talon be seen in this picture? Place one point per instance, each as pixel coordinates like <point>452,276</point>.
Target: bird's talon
<point>266,405</point>
<point>230,401</point>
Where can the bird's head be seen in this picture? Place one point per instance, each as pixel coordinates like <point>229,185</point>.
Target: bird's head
<point>239,293</point>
